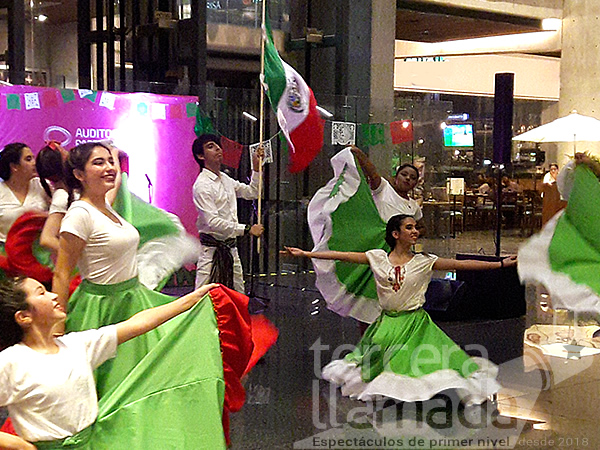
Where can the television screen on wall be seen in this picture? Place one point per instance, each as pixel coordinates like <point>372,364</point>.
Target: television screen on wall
<point>458,135</point>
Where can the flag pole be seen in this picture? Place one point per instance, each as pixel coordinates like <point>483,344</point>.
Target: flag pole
<point>261,125</point>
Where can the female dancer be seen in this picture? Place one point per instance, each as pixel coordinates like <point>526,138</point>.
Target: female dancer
<point>164,245</point>
<point>403,354</point>
<point>21,190</point>
<point>103,246</point>
<point>47,382</point>
<point>565,255</point>
<point>50,168</point>
<point>391,200</point>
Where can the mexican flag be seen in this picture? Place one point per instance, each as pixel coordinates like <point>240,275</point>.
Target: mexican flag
<point>295,105</point>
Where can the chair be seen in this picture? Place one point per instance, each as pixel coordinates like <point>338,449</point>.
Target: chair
<point>531,217</point>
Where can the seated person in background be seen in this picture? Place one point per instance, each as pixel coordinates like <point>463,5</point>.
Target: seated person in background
<point>391,200</point>
<point>485,187</point>
<point>509,186</point>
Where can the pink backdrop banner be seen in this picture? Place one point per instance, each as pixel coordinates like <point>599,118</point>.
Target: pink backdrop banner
<point>156,131</point>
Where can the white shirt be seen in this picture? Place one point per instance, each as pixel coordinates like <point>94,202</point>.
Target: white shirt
<point>54,396</point>
<point>11,208</point>
<point>549,179</point>
<point>389,203</point>
<point>60,201</point>
<point>417,274</point>
<point>215,199</point>
<point>109,256</point>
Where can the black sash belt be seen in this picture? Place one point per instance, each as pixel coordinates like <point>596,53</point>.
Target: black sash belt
<point>222,263</point>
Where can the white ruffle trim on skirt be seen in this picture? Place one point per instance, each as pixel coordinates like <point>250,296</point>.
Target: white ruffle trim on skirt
<point>159,258</point>
<point>472,390</point>
<point>534,266</point>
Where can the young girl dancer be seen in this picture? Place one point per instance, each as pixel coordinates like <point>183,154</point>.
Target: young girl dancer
<point>403,354</point>
<point>47,382</point>
<point>164,245</point>
<point>20,190</point>
<point>188,398</point>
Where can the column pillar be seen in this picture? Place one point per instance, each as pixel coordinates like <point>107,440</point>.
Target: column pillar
<point>383,38</point>
<point>580,67</point>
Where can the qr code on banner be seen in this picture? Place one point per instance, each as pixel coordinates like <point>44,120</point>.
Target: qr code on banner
<point>343,133</point>
<point>268,158</point>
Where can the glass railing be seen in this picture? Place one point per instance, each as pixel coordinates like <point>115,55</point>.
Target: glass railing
<point>156,120</point>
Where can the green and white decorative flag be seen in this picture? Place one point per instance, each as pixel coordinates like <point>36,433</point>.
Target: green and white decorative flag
<point>342,216</point>
<point>565,255</point>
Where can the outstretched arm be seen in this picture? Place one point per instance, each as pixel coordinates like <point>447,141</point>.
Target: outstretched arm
<point>151,318</point>
<point>368,167</point>
<point>351,257</point>
<point>472,264</point>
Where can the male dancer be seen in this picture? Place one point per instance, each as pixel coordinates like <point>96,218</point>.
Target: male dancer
<point>215,197</point>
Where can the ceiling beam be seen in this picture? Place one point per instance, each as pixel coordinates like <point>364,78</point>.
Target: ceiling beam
<point>444,8</point>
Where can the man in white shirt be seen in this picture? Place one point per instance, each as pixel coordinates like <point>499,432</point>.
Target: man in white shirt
<point>215,197</point>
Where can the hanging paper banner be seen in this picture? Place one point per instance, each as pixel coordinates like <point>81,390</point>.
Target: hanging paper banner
<point>32,100</point>
<point>268,158</point>
<point>159,148</point>
<point>191,109</point>
<point>372,134</point>
<point>158,111</point>
<point>232,152</point>
<point>343,133</point>
<point>49,99</point>
<point>68,95</point>
<point>176,111</point>
<point>203,122</point>
<point>107,100</point>
<point>13,101</point>
<point>401,131</point>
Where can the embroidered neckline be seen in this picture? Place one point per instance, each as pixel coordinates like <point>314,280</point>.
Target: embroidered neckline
<point>400,274</point>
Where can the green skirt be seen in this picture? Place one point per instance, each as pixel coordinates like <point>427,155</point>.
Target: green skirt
<point>165,388</point>
<point>405,356</point>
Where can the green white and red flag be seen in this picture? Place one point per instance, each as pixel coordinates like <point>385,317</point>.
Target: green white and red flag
<point>294,104</point>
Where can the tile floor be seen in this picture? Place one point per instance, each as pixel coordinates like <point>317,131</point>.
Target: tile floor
<point>546,402</point>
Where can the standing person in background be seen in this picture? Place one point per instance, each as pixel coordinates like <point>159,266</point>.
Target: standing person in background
<point>215,196</point>
<point>391,200</point>
<point>551,200</point>
<point>20,190</point>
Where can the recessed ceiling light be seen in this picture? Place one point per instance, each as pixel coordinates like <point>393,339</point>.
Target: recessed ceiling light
<point>551,24</point>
